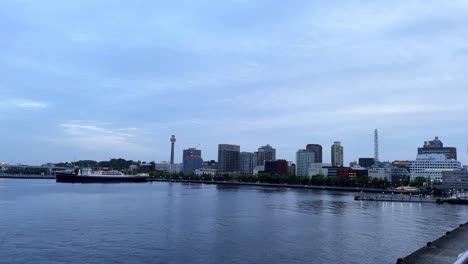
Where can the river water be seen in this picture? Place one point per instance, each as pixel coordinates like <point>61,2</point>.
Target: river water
<point>46,222</point>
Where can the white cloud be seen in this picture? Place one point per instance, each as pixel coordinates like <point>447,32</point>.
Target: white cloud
<point>21,103</point>
<point>91,135</point>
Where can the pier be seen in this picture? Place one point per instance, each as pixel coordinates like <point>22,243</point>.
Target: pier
<point>408,198</point>
<point>444,250</point>
<point>398,198</point>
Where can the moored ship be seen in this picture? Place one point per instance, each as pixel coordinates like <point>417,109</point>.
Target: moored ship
<point>90,176</point>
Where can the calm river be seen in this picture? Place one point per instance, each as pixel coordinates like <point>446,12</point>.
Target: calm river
<point>46,222</point>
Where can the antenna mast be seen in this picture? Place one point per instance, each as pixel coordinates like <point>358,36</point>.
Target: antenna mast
<point>376,147</point>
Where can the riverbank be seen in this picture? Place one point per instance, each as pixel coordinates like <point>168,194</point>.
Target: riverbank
<point>292,186</point>
<point>258,184</point>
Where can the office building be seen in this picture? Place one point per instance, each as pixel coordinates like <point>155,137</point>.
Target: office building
<point>399,174</point>
<point>317,150</point>
<point>457,180</point>
<point>192,160</point>
<point>366,162</point>
<point>265,153</point>
<point>304,159</point>
<point>259,169</point>
<point>248,161</point>
<point>437,147</point>
<point>228,158</point>
<point>291,168</point>
<point>337,154</point>
<point>210,164</point>
<point>432,165</point>
<point>175,168</point>
<point>318,169</point>
<point>276,167</point>
<point>380,173</point>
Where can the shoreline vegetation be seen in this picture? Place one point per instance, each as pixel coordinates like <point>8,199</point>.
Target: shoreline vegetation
<point>243,183</point>
<point>356,183</point>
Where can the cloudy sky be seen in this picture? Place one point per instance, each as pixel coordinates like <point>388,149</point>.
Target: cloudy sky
<point>105,79</point>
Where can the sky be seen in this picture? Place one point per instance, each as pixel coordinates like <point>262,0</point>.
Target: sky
<point>107,79</point>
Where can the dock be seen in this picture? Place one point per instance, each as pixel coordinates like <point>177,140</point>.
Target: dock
<point>398,198</point>
<point>409,199</point>
<point>444,250</point>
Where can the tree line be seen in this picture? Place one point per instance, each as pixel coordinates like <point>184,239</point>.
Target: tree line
<point>317,180</point>
<point>113,164</point>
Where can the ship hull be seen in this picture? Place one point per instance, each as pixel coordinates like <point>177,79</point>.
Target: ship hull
<point>72,178</point>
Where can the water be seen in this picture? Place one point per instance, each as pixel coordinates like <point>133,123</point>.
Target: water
<point>46,222</point>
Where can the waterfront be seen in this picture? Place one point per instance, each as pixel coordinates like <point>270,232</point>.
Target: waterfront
<point>43,221</point>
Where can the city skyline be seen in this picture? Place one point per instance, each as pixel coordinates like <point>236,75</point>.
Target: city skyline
<point>251,73</point>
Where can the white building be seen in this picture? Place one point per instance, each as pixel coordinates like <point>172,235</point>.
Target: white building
<point>206,172</point>
<point>162,166</point>
<point>258,169</point>
<point>380,173</point>
<point>175,168</point>
<point>432,165</point>
<point>318,169</point>
<point>304,159</point>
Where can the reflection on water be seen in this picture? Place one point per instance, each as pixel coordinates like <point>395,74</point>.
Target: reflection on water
<point>42,221</point>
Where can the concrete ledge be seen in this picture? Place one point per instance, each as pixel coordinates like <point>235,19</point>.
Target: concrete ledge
<point>443,250</point>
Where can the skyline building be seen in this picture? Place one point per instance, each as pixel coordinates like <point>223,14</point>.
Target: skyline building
<point>432,165</point>
<point>437,147</point>
<point>248,161</point>
<point>228,158</point>
<point>317,150</point>
<point>337,154</point>
<point>304,159</point>
<point>265,153</point>
<point>366,162</point>
<point>278,167</point>
<point>192,160</point>
<point>457,180</point>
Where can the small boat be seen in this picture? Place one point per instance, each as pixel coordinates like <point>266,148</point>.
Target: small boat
<point>90,176</point>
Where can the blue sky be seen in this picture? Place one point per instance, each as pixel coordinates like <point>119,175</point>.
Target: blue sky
<point>105,79</point>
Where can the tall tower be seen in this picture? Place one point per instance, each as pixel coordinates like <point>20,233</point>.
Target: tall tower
<point>173,140</point>
<point>376,147</point>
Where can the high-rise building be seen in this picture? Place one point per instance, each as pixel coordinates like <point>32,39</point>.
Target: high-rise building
<point>173,140</point>
<point>228,158</point>
<point>278,167</point>
<point>317,150</point>
<point>337,154</point>
<point>192,160</point>
<point>304,159</point>
<point>437,147</point>
<point>265,153</point>
<point>248,161</point>
<point>432,165</point>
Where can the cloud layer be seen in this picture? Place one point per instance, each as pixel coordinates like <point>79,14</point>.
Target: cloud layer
<point>244,72</point>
